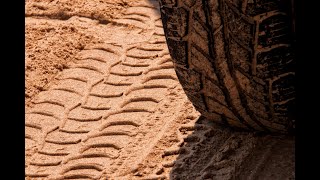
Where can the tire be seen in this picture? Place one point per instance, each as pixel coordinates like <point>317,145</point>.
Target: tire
<point>235,60</point>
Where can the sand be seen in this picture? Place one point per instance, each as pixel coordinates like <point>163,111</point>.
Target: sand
<point>103,102</point>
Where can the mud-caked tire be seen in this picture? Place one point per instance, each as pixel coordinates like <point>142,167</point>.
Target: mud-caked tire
<point>235,59</point>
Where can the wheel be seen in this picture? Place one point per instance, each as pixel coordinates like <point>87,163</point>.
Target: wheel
<point>235,60</point>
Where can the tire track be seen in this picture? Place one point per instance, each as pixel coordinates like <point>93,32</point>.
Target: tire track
<point>99,106</point>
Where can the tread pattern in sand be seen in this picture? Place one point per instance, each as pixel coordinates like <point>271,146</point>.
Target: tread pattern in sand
<point>98,107</point>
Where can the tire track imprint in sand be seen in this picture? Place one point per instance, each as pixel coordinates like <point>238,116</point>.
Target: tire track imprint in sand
<point>88,123</point>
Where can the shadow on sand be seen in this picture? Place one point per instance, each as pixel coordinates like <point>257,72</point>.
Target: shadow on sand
<point>212,151</point>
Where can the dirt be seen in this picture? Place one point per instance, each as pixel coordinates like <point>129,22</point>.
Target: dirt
<point>103,102</point>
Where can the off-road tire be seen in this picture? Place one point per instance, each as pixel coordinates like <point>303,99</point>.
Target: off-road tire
<point>235,59</point>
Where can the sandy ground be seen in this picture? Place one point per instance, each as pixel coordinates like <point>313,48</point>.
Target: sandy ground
<point>103,102</point>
